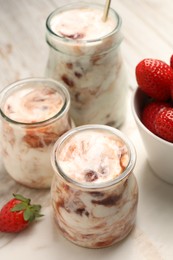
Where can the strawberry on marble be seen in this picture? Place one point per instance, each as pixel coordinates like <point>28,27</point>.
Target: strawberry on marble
<point>17,214</point>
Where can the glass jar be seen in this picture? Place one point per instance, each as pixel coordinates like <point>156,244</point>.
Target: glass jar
<point>94,191</point>
<point>34,113</point>
<point>92,68</point>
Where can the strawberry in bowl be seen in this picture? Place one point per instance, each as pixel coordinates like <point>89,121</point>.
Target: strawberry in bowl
<point>155,79</point>
<point>152,107</point>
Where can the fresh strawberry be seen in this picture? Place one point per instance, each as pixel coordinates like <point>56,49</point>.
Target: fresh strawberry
<point>155,78</point>
<point>17,214</point>
<point>164,124</point>
<point>171,61</point>
<point>149,114</point>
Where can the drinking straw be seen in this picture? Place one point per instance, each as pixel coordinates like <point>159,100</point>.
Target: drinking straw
<point>106,10</point>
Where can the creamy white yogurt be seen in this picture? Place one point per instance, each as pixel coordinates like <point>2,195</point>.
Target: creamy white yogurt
<point>31,105</point>
<point>85,56</point>
<point>94,191</point>
<point>82,23</point>
<point>34,113</point>
<point>93,157</point>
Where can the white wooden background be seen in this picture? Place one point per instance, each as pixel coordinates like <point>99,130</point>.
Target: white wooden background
<point>147,28</point>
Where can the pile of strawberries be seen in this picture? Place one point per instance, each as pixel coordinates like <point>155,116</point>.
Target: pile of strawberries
<point>155,79</point>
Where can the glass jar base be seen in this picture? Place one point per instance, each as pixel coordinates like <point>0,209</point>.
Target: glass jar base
<point>98,245</point>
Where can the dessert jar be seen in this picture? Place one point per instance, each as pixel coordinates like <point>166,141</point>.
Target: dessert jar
<point>91,67</point>
<point>34,114</point>
<point>94,192</point>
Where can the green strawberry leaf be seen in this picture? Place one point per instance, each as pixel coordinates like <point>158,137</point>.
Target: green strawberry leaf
<point>21,198</point>
<point>28,215</point>
<point>19,207</point>
<point>36,208</point>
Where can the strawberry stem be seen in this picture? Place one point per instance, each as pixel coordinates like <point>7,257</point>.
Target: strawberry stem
<point>30,212</point>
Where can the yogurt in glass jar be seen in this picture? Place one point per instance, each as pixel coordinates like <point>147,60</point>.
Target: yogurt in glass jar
<point>34,114</point>
<point>85,55</point>
<point>94,191</point>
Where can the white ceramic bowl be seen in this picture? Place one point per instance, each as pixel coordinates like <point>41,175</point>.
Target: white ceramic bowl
<point>159,151</point>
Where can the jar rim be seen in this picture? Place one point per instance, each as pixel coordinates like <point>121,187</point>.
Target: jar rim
<point>92,186</point>
<point>55,84</point>
<point>81,4</point>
